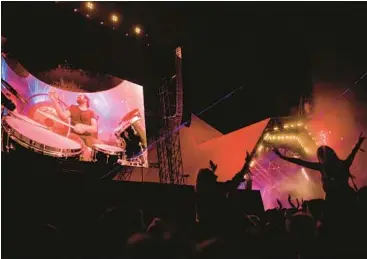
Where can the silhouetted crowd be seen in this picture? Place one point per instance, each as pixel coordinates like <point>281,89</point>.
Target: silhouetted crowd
<point>331,228</point>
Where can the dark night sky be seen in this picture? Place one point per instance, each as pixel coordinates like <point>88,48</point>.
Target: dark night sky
<point>275,50</point>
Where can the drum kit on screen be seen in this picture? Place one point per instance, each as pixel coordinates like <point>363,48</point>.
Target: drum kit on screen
<point>20,133</point>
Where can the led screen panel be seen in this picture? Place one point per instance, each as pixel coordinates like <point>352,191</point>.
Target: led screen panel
<point>118,112</point>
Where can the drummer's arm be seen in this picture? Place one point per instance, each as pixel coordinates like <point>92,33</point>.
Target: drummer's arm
<point>63,114</point>
<point>93,128</point>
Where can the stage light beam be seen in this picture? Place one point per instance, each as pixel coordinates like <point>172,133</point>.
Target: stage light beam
<point>305,174</point>
<point>261,147</point>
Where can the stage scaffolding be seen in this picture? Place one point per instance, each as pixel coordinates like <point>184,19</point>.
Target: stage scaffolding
<point>168,143</point>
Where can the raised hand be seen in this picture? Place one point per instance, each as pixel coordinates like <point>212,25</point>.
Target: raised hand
<point>212,165</point>
<point>360,140</point>
<point>246,165</point>
<point>290,201</point>
<point>279,204</point>
<point>53,95</point>
<point>248,157</point>
<point>361,137</point>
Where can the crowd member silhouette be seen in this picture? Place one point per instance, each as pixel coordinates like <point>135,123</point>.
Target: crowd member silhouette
<point>214,212</point>
<point>334,171</point>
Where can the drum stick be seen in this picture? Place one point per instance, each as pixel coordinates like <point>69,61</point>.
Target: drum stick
<point>55,118</point>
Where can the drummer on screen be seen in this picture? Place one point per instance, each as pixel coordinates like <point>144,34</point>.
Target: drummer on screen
<point>83,120</point>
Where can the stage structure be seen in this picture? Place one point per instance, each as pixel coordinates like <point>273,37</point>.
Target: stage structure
<point>275,177</point>
<point>168,144</point>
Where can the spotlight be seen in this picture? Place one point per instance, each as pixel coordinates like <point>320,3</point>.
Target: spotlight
<point>137,30</point>
<point>75,10</point>
<point>114,18</point>
<point>89,5</point>
<point>276,128</point>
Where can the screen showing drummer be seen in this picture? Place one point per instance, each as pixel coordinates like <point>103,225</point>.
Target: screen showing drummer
<point>106,122</point>
<point>83,121</point>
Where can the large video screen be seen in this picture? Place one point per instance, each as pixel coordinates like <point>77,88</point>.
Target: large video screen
<point>101,125</point>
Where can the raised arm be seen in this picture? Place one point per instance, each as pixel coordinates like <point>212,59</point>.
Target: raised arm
<point>238,178</point>
<point>93,128</point>
<point>310,165</point>
<point>63,114</point>
<point>357,147</point>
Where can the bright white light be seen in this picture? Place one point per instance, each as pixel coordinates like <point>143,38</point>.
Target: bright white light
<point>252,163</point>
<point>323,137</point>
<point>305,174</point>
<point>90,5</point>
<point>137,30</point>
<point>114,18</point>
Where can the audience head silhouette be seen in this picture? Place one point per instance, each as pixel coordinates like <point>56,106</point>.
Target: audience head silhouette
<point>326,154</point>
<point>205,178</point>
